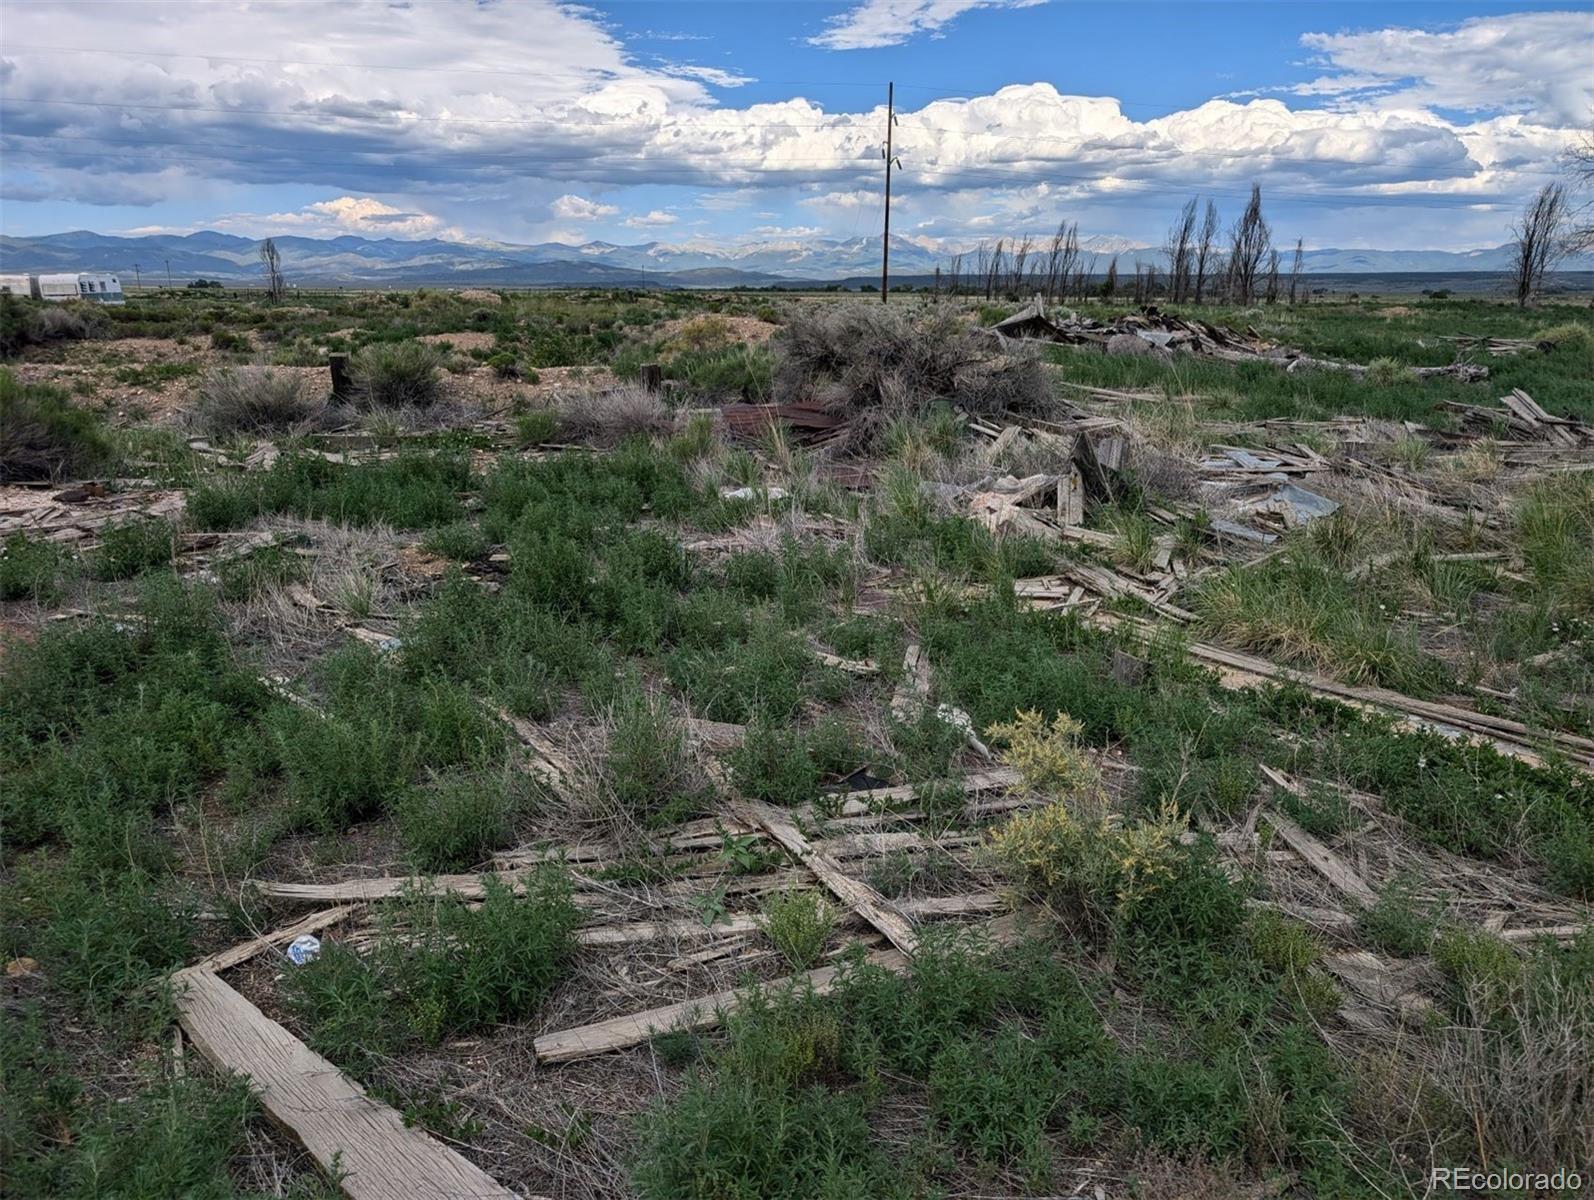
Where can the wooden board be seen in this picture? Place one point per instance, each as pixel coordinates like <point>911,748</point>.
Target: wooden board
<point>348,1132</point>
<point>854,893</point>
<point>226,959</point>
<point>619,1033</point>
<point>1322,860</point>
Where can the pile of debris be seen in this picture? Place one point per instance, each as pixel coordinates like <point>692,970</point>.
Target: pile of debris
<point>1151,332</point>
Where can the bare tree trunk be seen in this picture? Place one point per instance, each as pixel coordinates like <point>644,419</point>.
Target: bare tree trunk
<point>1109,286</point>
<point>1205,242</point>
<point>1249,242</point>
<point>1271,291</point>
<point>1178,249</point>
<point>1540,241</point>
<point>1295,271</point>
<point>271,260</point>
<point>1017,260</point>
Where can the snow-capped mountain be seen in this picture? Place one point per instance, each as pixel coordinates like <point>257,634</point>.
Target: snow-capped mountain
<point>353,260</point>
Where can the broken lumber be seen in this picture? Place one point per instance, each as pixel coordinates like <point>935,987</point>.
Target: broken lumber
<point>224,960</point>
<point>857,895</point>
<point>359,1140</point>
<point>620,1033</point>
<point>1321,859</point>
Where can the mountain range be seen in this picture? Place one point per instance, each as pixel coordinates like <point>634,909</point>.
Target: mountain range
<point>352,260</point>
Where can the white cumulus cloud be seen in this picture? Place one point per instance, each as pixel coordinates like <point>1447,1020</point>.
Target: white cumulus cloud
<point>579,208</point>
<point>1541,64</point>
<point>652,220</point>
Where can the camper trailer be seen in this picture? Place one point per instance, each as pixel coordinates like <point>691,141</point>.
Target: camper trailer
<point>18,285</point>
<point>99,286</point>
<point>58,288</point>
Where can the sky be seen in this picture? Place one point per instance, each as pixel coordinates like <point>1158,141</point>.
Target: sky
<point>1367,125</point>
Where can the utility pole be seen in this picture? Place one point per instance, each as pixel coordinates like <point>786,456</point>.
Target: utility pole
<point>885,240</point>
<point>138,276</point>
<point>168,272</point>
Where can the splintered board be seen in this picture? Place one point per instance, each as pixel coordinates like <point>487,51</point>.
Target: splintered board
<point>359,1140</point>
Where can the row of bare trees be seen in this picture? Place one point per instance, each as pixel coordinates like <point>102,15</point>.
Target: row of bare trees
<point>1055,269</point>
<point>1205,264</point>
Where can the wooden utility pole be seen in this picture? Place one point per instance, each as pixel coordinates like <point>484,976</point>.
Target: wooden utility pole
<point>138,275</point>
<point>885,240</point>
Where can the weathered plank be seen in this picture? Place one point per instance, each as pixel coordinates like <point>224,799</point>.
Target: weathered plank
<point>619,1033</point>
<point>856,894</point>
<point>224,960</point>
<point>361,1139</point>
<point>1321,859</point>
<point>386,887</point>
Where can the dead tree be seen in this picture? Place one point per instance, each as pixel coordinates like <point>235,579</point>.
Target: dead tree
<point>1271,291</point>
<point>1180,248</point>
<point>1016,264</point>
<point>1109,285</point>
<point>954,283</point>
<point>271,260</point>
<point>1540,241</point>
<point>1295,271</point>
<point>1205,249</point>
<point>993,272</point>
<point>1580,165</point>
<point>1249,242</point>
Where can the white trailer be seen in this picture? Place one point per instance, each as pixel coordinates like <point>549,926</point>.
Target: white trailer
<point>100,286</point>
<point>19,285</point>
<point>59,287</point>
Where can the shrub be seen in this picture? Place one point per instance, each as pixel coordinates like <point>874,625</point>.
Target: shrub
<point>242,576</point>
<point>1571,337</point>
<point>133,547</point>
<point>1386,372</point>
<point>30,569</point>
<point>536,426</point>
<point>800,924</point>
<point>1049,758</point>
<point>1401,923</point>
<point>230,340</point>
<point>438,968</point>
<point>876,364</point>
<point>256,400</point>
<point>390,375</point>
<point>610,417</point>
<point>457,819</point>
<point>1099,870</point>
<point>45,436</point>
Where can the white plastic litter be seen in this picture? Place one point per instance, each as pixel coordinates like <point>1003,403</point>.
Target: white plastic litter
<point>747,493</point>
<point>303,949</point>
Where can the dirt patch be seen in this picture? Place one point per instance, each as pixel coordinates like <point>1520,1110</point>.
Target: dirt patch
<point>1395,310</point>
<point>748,330</point>
<point>466,340</point>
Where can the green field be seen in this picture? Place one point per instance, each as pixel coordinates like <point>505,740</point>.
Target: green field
<point>500,608</point>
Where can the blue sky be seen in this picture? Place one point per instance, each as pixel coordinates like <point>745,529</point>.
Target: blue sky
<point>1395,125</point>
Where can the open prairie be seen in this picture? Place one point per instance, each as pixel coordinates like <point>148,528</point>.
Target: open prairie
<point>682,744</point>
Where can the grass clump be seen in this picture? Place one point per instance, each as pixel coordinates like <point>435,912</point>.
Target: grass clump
<point>412,491</point>
<point>611,417</point>
<point>133,548</point>
<point>799,924</point>
<point>397,375</point>
<point>1555,531</point>
<point>438,969</point>
<point>458,819</point>
<point>646,776</point>
<point>264,569</point>
<point>1402,922</point>
<point>256,400</point>
<point>45,437</point>
<point>1303,610</point>
<point>31,569</point>
<point>381,727</point>
<point>175,1136</point>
